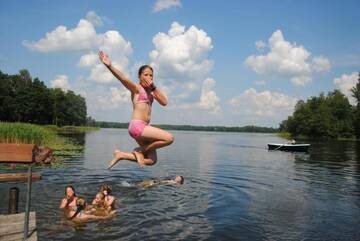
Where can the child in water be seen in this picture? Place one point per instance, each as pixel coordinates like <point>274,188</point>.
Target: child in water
<point>79,214</point>
<point>148,137</point>
<point>69,201</point>
<point>109,200</point>
<point>178,180</point>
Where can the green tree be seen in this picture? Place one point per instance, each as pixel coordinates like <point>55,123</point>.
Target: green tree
<point>356,94</point>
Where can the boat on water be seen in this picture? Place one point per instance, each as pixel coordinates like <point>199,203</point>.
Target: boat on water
<point>289,147</point>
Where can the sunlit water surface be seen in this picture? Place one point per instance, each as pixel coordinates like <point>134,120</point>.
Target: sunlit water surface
<point>235,189</point>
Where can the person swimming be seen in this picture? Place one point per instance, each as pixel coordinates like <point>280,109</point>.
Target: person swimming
<point>109,201</point>
<point>81,214</point>
<point>178,180</point>
<point>69,201</point>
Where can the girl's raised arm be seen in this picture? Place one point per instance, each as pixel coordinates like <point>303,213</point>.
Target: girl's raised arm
<point>104,58</point>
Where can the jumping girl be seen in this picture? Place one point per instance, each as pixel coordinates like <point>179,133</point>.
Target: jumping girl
<point>148,137</point>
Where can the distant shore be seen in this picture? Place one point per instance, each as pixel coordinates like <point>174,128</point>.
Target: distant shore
<point>249,128</point>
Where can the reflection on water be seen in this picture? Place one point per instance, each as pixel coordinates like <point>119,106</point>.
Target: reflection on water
<point>235,189</point>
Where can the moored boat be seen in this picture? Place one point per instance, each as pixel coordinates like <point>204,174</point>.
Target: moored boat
<point>288,147</point>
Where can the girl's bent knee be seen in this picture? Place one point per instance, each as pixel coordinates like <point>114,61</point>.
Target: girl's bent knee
<point>151,163</point>
<point>170,139</point>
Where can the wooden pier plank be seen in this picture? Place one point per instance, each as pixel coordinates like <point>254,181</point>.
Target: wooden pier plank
<point>12,227</point>
<point>23,176</point>
<point>12,152</point>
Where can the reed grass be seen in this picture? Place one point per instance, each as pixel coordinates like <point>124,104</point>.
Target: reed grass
<point>26,133</point>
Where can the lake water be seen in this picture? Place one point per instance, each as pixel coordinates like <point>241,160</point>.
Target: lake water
<point>235,189</point>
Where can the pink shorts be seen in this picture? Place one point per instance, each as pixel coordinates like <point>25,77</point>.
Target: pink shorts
<point>136,128</point>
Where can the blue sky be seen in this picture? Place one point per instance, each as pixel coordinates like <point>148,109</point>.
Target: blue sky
<point>230,63</point>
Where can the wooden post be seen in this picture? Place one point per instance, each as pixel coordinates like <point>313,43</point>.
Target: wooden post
<point>28,200</point>
<point>13,200</point>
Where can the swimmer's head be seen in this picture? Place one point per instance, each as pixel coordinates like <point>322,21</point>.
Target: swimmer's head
<point>99,198</point>
<point>106,189</point>
<point>179,179</point>
<point>69,191</point>
<point>80,202</point>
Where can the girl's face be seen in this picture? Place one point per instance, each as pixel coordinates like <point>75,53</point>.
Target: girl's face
<point>98,198</point>
<point>146,76</point>
<point>69,192</point>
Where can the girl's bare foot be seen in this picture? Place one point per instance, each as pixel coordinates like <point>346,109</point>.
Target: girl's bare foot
<point>139,156</point>
<point>118,155</point>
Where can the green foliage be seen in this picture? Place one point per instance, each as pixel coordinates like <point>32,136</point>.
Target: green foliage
<point>23,99</point>
<point>356,94</point>
<point>25,133</point>
<point>328,116</point>
<point>257,129</point>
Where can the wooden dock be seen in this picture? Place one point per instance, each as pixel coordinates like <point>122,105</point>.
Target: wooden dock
<point>12,227</point>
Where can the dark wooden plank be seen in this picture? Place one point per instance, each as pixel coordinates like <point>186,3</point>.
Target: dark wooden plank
<point>12,152</point>
<point>21,176</point>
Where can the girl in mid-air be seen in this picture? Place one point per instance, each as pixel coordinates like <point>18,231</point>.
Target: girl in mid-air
<point>148,137</point>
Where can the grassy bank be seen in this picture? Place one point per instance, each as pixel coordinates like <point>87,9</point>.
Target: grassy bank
<point>40,136</point>
<point>71,129</point>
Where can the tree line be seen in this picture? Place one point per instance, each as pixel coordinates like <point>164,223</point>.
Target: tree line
<point>326,116</point>
<point>23,99</point>
<point>250,128</point>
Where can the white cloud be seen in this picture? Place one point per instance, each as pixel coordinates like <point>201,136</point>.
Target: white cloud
<point>88,60</point>
<point>208,99</point>
<point>345,83</point>
<point>262,104</point>
<point>321,64</point>
<point>85,37</point>
<point>61,81</point>
<point>260,45</point>
<point>165,4</point>
<point>181,54</point>
<point>93,18</point>
<point>287,60</point>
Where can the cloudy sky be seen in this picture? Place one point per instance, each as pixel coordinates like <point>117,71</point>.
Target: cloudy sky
<point>230,63</point>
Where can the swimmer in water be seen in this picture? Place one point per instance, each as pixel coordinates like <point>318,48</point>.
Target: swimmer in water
<point>178,180</point>
<point>79,214</point>
<point>69,201</point>
<point>109,202</point>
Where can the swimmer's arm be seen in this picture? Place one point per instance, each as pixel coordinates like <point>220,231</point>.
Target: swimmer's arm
<point>63,203</point>
<point>117,73</point>
<point>160,97</point>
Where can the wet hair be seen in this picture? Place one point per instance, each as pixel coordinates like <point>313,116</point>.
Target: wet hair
<point>72,188</point>
<point>142,68</point>
<point>80,205</point>
<point>81,202</point>
<point>101,194</point>
<point>106,188</point>
<point>182,179</point>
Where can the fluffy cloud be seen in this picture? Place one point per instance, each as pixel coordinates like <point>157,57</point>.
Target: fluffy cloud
<point>85,37</point>
<point>165,4</point>
<point>209,101</point>
<point>181,54</point>
<point>345,83</point>
<point>181,65</point>
<point>93,18</point>
<point>82,37</point>
<point>61,81</point>
<point>288,60</point>
<point>262,104</point>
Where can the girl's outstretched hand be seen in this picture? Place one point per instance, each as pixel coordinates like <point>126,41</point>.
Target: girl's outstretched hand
<point>104,58</point>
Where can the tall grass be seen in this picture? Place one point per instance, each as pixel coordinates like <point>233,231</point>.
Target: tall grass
<point>26,133</point>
